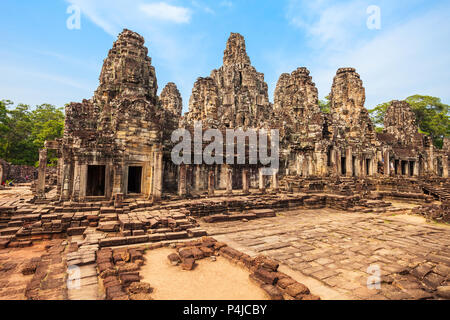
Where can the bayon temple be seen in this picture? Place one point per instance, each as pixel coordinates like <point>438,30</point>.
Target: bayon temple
<point>118,143</point>
<point>119,219</point>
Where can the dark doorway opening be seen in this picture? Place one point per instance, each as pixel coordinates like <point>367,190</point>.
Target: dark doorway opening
<point>134,179</point>
<point>354,166</point>
<point>343,165</point>
<point>411,168</point>
<point>329,156</point>
<point>403,168</point>
<point>396,166</point>
<point>440,168</point>
<point>95,181</point>
<point>368,167</point>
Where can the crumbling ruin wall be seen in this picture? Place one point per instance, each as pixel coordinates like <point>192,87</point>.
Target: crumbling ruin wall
<point>16,173</point>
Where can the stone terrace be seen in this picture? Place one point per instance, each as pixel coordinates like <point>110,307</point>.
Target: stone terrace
<point>333,250</point>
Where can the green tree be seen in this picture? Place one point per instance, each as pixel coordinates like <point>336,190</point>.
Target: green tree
<point>325,105</point>
<point>432,116</point>
<point>24,131</point>
<point>377,115</point>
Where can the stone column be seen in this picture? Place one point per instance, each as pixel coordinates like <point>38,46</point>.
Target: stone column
<point>119,179</point>
<point>374,165</point>
<point>182,181</point>
<point>338,163</point>
<point>387,166</point>
<point>445,166</point>
<point>198,177</point>
<point>262,186</point>
<point>40,187</point>
<point>407,168</point>
<point>245,182</point>
<point>211,182</point>
<point>76,181</point>
<point>431,159</point>
<point>416,168</point>
<point>229,179</point>
<point>334,170</point>
<point>348,162</point>
<point>59,180</point>
<point>275,180</point>
<point>157,175</point>
<point>65,195</point>
<point>83,181</point>
<point>118,201</point>
<point>1,173</point>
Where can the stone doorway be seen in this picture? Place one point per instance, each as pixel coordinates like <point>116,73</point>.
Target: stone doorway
<point>343,165</point>
<point>411,168</point>
<point>96,181</point>
<point>134,179</point>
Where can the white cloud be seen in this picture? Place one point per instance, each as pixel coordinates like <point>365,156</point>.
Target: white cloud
<point>227,4</point>
<point>326,22</point>
<point>202,7</point>
<point>167,12</point>
<point>407,56</point>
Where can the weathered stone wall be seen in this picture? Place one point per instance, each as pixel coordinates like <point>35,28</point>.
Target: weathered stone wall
<point>16,173</point>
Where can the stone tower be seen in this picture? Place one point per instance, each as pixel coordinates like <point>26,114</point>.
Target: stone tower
<point>171,99</point>
<point>242,95</point>
<point>349,119</point>
<point>400,121</point>
<point>296,102</point>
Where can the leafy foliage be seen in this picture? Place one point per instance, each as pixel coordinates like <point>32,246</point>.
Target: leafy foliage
<point>23,131</point>
<point>432,116</point>
<point>325,105</point>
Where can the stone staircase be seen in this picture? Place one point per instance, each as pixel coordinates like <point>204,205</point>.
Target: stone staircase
<point>441,192</point>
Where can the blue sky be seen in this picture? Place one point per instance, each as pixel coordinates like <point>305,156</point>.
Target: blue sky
<point>42,61</point>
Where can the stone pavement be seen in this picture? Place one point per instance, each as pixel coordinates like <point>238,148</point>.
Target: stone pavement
<point>341,252</point>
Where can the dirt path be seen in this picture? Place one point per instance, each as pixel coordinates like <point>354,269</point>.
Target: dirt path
<point>220,280</point>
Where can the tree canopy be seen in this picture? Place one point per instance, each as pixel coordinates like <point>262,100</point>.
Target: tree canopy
<point>432,116</point>
<point>325,105</point>
<point>23,131</point>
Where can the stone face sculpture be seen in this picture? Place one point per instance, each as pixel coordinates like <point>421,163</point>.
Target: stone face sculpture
<point>235,94</point>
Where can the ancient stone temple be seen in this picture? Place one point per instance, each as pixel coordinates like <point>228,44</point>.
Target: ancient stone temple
<point>118,143</point>
<point>235,95</point>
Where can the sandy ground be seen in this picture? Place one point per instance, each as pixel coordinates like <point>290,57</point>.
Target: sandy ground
<point>13,282</point>
<point>220,280</point>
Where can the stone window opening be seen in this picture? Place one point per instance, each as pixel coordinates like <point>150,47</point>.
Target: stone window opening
<point>96,181</point>
<point>134,180</point>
